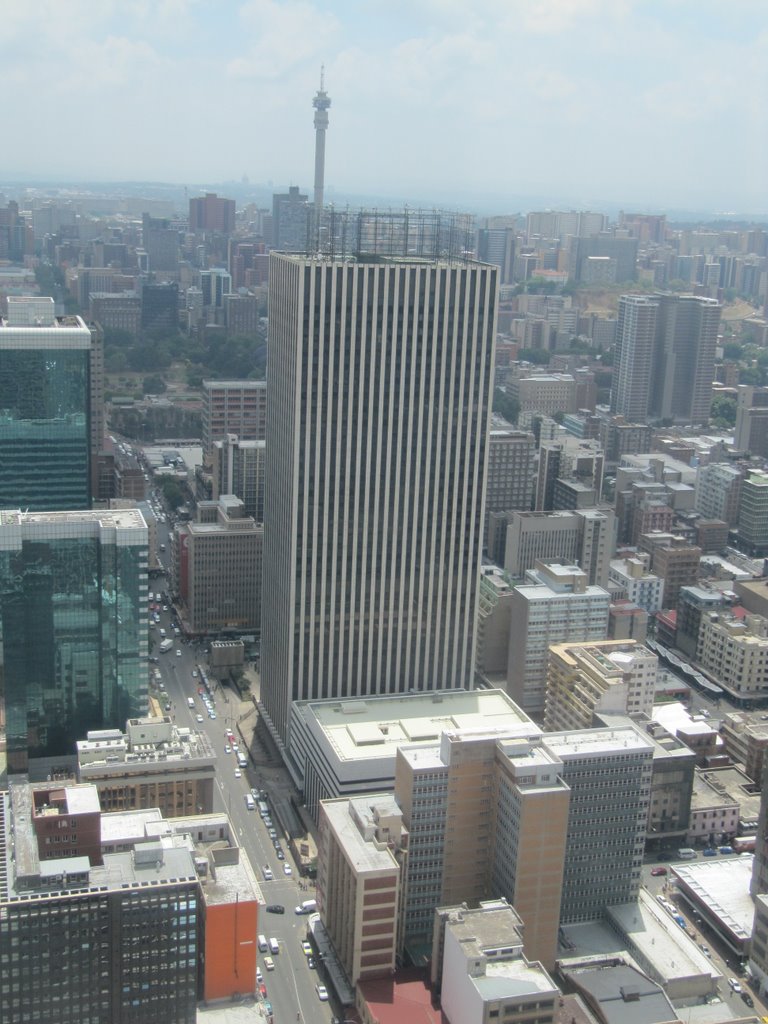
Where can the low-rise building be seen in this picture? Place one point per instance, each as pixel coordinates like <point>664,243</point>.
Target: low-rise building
<point>746,740</point>
<point>735,652</point>
<point>153,763</point>
<point>637,582</point>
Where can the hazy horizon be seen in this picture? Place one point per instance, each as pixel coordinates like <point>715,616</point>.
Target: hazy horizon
<point>654,104</point>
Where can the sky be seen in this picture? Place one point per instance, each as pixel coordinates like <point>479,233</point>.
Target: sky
<point>657,104</point>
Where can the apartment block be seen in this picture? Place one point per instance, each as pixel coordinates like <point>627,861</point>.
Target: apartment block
<point>555,604</point>
<point>233,407</point>
<point>751,431</point>
<point>609,773</point>
<point>583,680</point>
<point>360,873</point>
<point>509,483</point>
<point>735,652</point>
<point>119,311</point>
<point>718,491</point>
<point>584,537</point>
<point>638,584</point>
<point>153,763</point>
<point>619,437</point>
<point>569,475</point>
<point>692,604</point>
<point>546,393</point>
<point>493,612</point>
<point>746,741</point>
<point>216,564</point>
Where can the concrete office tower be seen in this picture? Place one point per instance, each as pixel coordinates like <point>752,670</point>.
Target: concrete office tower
<point>555,605</point>
<point>379,396</point>
<point>238,468</point>
<point>233,407</point>
<point>633,357</point>
<point>510,471</point>
<point>216,566</point>
<point>570,475</point>
<point>45,396</point>
<point>753,513</point>
<point>73,622</point>
<point>585,537</point>
<point>321,103</point>
<point>609,676</point>
<point>160,241</point>
<point>751,431</point>
<point>360,875</point>
<point>497,246</point>
<point>609,774</point>
<point>212,213</point>
<point>718,491</point>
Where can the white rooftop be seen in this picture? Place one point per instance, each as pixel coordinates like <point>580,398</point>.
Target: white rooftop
<point>722,884</point>
<point>596,741</point>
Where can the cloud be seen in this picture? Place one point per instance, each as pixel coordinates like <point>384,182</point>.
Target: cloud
<point>285,36</point>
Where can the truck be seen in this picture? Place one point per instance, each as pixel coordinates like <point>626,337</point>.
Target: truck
<point>686,853</point>
<point>307,907</point>
<point>165,646</point>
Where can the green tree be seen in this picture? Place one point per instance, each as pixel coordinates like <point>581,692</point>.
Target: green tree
<point>751,375</point>
<point>154,385</point>
<point>505,405</point>
<point>732,351</point>
<point>534,355</point>
<point>172,491</point>
<point>723,411</point>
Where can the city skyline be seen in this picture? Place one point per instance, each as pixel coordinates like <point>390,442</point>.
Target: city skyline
<point>595,90</point>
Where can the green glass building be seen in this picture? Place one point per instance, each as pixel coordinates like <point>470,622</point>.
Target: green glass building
<point>73,627</point>
<point>45,407</point>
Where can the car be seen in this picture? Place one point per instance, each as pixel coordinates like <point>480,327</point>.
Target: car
<point>267,821</point>
<point>238,773</point>
<point>199,718</point>
<point>710,852</point>
<point>276,844</point>
<point>272,833</point>
<point>178,653</point>
<point>705,949</point>
<point>212,715</point>
<point>268,873</point>
<point>311,963</point>
<point>263,991</point>
<point>307,948</point>
<point>259,976</point>
<point>658,871</point>
<point>747,998</point>
<point>275,908</point>
<point>254,793</point>
<point>154,660</point>
<point>165,607</point>
<point>227,748</point>
<point>726,850</point>
<point>287,870</point>
<point>268,1008</point>
<point>235,746</point>
<point>168,706</point>
<point>735,985</point>
<point>194,673</point>
<point>201,691</point>
<point>269,963</point>
<point>279,854</point>
<point>322,993</point>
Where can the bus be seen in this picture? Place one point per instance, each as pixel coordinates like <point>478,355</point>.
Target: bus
<point>744,844</point>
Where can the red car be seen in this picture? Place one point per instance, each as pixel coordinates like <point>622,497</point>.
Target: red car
<point>263,990</point>
<point>658,871</point>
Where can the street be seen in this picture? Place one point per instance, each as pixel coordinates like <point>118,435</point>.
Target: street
<point>291,985</point>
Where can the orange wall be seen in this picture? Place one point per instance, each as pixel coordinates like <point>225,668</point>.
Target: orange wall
<point>230,950</point>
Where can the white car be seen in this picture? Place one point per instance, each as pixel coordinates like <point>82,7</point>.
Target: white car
<point>269,963</point>
<point>287,870</point>
<point>322,993</point>
<point>238,773</point>
<point>259,976</point>
<point>199,718</point>
<point>178,653</point>
<point>194,673</point>
<point>227,748</point>
<point>735,985</point>
<point>267,873</point>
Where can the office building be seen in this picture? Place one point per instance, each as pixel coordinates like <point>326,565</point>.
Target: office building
<point>545,393</point>
<point>360,875</point>
<point>569,475</point>
<point>608,772</point>
<point>619,438</point>
<point>216,285</point>
<point>621,252</point>
<point>734,651</point>
<point>116,311</point>
<point>718,491</point>
<point>73,616</point>
<point>692,603</point>
<point>373,546</point>
<point>674,560</point>
<point>493,611</point>
<point>242,314</point>
<point>17,239</point>
<point>509,484</point>
<point>212,213</point>
<point>160,309</point>
<point>665,354</point>
<point>160,242</point>
<point>216,565</point>
<point>233,407</point>
<point>751,430</point>
<point>610,676</point>
<point>291,220</point>
<point>238,468</point>
<point>554,605</point>
<point>637,583</point>
<point>753,513</point>
<point>153,763</point>
<point>46,394</point>
<point>482,971</point>
<point>497,246</point>
<point>584,537</point>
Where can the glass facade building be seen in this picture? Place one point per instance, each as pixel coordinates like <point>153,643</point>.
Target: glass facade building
<point>73,627</point>
<point>45,408</point>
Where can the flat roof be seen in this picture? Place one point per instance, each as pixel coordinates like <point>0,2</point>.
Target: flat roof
<point>722,884</point>
<point>82,799</point>
<point>123,518</point>
<point>363,854</point>
<point>370,729</point>
<point>576,743</point>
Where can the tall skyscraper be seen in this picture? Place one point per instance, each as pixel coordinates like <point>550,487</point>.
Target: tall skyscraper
<point>73,626</point>
<point>378,402</point>
<point>45,398</point>
<point>665,356</point>
<point>321,103</point>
